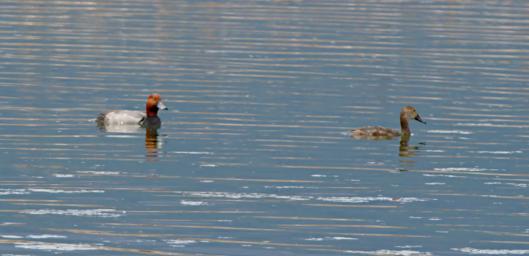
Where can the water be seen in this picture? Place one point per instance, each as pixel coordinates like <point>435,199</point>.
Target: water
<point>253,157</point>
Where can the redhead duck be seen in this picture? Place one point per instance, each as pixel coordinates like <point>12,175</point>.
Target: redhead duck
<point>377,132</point>
<point>147,119</point>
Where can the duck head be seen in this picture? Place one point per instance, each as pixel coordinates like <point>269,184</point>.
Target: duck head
<point>410,112</point>
<point>154,103</point>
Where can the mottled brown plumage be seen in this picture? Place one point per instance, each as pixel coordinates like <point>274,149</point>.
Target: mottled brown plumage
<point>378,132</point>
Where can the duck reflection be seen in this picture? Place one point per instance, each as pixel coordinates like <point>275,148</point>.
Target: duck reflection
<point>405,150</point>
<point>152,143</point>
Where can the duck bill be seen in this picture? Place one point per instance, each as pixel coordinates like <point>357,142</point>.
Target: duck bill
<point>419,119</point>
<point>161,106</point>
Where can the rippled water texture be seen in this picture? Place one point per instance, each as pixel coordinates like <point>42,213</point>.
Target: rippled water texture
<point>254,155</point>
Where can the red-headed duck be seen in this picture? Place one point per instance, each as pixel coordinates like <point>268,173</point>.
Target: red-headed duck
<point>147,119</point>
<point>377,132</point>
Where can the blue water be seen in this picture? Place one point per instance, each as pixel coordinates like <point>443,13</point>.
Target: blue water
<point>254,155</point>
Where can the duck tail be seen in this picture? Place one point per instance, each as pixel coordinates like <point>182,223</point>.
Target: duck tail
<point>100,120</point>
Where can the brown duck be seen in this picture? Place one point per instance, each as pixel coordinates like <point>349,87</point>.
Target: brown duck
<point>377,132</point>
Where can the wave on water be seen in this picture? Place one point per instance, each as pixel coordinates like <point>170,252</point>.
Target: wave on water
<point>491,251</point>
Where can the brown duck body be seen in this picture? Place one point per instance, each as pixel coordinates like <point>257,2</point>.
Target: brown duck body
<point>378,132</point>
<point>375,132</point>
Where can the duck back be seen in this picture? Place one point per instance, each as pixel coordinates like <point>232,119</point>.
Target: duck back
<point>374,132</point>
<point>121,117</point>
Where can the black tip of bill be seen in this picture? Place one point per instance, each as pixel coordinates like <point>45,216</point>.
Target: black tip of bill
<point>418,118</point>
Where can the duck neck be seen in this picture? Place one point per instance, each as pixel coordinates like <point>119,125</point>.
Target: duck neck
<point>151,110</point>
<point>404,127</point>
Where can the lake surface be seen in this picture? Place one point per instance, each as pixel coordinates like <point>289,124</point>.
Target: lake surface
<point>254,155</point>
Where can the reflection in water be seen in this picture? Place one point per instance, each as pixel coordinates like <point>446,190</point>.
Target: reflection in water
<point>404,149</point>
<point>151,143</point>
<point>407,152</point>
<point>120,128</point>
